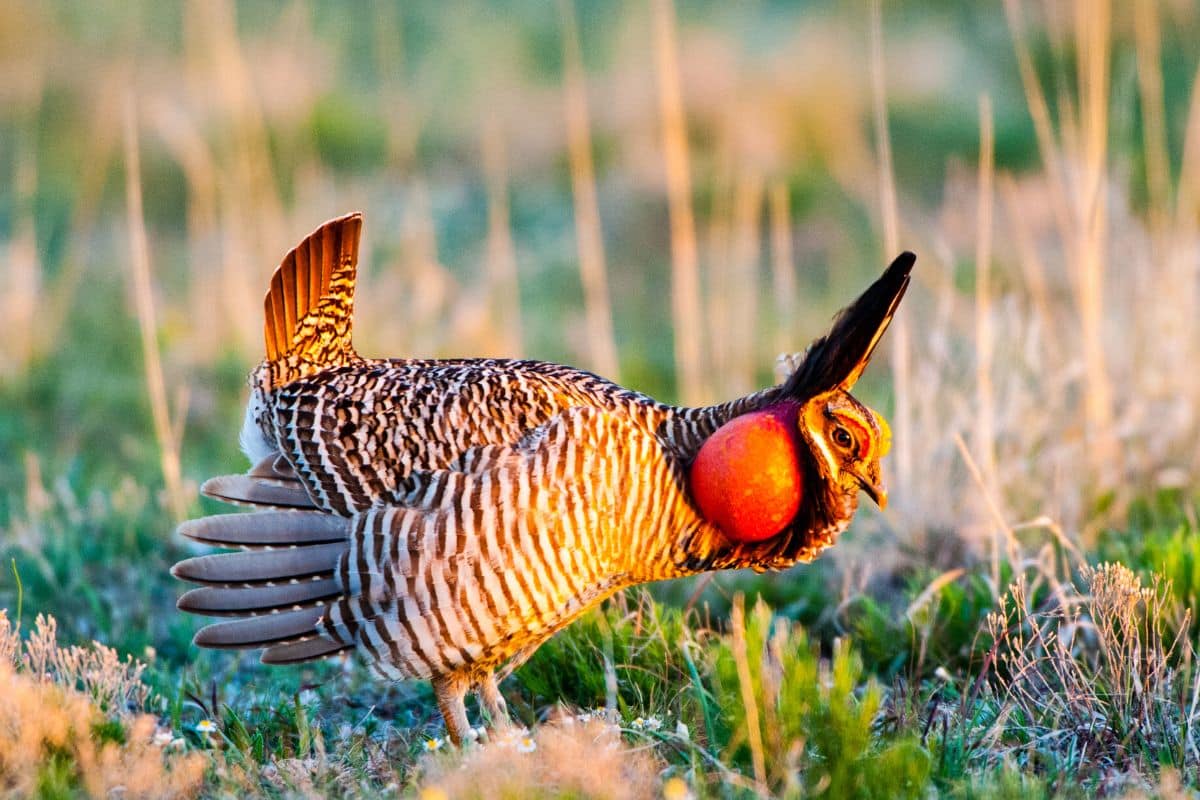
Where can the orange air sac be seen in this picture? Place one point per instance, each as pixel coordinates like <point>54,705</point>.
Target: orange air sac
<point>746,478</point>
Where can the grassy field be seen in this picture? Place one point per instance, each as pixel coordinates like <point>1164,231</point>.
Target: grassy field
<point>672,195</point>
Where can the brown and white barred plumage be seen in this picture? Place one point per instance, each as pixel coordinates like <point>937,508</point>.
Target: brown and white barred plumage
<point>445,517</point>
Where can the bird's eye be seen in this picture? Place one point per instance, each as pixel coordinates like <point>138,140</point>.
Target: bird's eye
<point>842,438</point>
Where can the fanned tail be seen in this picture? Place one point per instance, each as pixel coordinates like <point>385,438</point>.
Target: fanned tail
<point>309,306</point>
<point>272,483</point>
<point>279,587</point>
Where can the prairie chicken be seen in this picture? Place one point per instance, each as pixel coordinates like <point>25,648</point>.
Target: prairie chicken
<point>446,517</point>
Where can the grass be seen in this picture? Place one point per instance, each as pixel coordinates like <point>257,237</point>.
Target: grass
<point>677,191</point>
<point>959,695</point>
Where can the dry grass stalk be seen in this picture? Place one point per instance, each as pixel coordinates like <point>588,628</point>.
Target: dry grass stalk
<point>404,126</point>
<point>685,269</point>
<point>1001,527</point>
<point>104,133</point>
<point>588,231</point>
<point>1147,40</point>
<point>1033,267</point>
<point>1025,334</point>
<point>985,426</point>
<point>215,67</point>
<point>902,422</point>
<point>1187,201</point>
<point>22,291</point>
<point>1039,111</point>
<point>737,624</point>
<point>1078,171</point>
<point>743,333</point>
<point>185,142</point>
<point>502,277</point>
<point>21,271</point>
<point>783,269</point>
<point>718,278</point>
<point>1093,35</point>
<point>166,431</point>
<point>430,287</point>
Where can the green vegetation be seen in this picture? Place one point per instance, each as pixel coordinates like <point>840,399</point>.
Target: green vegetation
<point>1022,621</point>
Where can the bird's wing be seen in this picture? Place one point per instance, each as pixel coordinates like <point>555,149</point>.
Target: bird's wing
<point>354,434</point>
<point>473,564</point>
<point>481,560</point>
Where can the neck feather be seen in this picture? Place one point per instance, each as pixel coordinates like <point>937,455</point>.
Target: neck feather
<point>687,428</point>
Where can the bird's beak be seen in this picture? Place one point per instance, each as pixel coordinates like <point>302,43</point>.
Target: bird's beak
<point>874,489</point>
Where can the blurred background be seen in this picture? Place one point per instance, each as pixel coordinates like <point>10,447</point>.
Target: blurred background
<point>671,195</point>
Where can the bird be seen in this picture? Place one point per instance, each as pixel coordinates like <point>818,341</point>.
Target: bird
<point>444,517</point>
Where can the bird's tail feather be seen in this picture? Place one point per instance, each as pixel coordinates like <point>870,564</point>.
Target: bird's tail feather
<point>271,483</point>
<point>309,305</point>
<point>280,586</point>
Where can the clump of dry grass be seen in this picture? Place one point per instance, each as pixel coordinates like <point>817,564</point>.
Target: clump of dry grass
<point>111,684</point>
<point>566,758</point>
<point>57,706</point>
<point>1097,678</point>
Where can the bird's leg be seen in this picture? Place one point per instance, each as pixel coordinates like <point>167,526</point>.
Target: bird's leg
<point>450,691</point>
<point>492,700</point>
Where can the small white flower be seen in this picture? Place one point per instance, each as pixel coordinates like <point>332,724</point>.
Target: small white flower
<point>433,745</point>
<point>308,697</point>
<point>653,724</point>
<point>526,744</point>
<point>205,727</point>
<point>943,675</point>
<point>681,730</point>
<point>163,738</point>
<point>638,724</point>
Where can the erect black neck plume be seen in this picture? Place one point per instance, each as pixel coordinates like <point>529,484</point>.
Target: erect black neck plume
<point>838,358</point>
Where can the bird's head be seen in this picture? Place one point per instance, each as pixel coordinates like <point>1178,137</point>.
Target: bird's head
<point>782,481</point>
<point>847,441</point>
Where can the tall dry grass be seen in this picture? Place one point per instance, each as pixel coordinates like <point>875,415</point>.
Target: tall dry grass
<point>1059,366</point>
<point>1104,679</point>
<point>503,279</point>
<point>685,262</point>
<point>1082,316</point>
<point>53,703</point>
<point>168,426</point>
<point>592,268</point>
<point>890,223</point>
